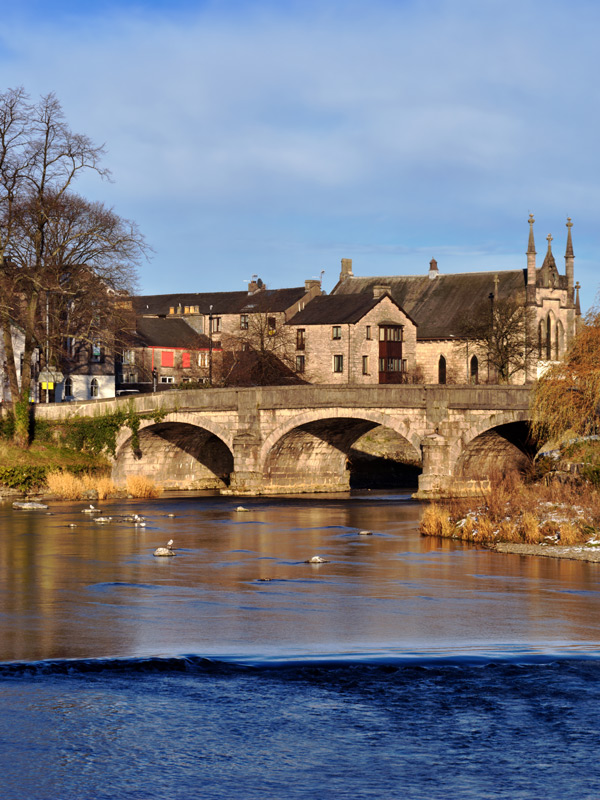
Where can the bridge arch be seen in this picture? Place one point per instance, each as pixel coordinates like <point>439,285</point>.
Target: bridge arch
<point>498,444</point>
<point>332,451</point>
<point>178,452</point>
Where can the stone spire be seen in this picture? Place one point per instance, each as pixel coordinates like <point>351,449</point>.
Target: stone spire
<point>433,269</point>
<point>549,270</point>
<point>569,261</point>
<point>531,263</point>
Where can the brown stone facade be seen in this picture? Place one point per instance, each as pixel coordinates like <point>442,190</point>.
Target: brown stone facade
<point>340,353</point>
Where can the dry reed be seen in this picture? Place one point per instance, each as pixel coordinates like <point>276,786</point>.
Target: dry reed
<point>141,486</point>
<point>65,485</point>
<point>436,522</point>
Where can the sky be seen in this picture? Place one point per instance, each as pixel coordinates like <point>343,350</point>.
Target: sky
<point>276,138</point>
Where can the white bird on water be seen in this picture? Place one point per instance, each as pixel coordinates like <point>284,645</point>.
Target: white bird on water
<point>90,510</point>
<point>316,560</point>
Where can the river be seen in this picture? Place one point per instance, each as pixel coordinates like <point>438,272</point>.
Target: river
<point>400,667</point>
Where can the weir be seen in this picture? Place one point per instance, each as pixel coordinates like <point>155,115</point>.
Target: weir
<point>273,440</point>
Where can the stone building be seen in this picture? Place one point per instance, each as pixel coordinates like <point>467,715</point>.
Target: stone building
<point>355,339</point>
<point>165,353</point>
<point>441,305</point>
<point>230,320</point>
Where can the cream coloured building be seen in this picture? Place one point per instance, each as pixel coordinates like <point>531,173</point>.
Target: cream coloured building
<point>441,304</point>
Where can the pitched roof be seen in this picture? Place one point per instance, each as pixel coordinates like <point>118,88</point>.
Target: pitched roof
<point>264,300</point>
<point>335,309</point>
<point>439,305</point>
<point>159,332</point>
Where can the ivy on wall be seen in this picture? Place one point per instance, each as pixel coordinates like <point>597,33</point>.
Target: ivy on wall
<point>98,435</point>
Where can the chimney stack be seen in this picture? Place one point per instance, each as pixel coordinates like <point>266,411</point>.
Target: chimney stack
<point>346,269</point>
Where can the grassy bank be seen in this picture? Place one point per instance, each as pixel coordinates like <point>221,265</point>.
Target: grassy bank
<point>518,512</point>
<point>46,468</point>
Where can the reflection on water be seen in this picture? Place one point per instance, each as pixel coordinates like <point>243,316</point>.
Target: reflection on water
<point>239,586</point>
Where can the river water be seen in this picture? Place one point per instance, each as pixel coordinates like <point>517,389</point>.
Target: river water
<point>401,667</point>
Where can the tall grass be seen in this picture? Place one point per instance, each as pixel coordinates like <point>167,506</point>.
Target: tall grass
<point>141,486</point>
<point>73,487</point>
<point>514,511</point>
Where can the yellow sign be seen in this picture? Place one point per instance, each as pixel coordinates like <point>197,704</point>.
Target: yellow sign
<point>47,385</point>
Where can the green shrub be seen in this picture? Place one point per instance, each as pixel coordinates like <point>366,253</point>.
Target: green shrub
<point>23,478</point>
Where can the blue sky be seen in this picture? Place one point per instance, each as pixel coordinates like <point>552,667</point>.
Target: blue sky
<point>277,138</point>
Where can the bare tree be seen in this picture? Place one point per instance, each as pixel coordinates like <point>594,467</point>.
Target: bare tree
<point>263,354</point>
<point>54,245</point>
<point>501,333</point>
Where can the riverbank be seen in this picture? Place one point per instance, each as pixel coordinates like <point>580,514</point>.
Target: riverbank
<point>582,553</point>
<point>550,519</point>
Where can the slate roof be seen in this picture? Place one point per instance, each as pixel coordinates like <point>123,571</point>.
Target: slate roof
<point>158,332</point>
<point>439,305</point>
<point>264,300</point>
<point>335,309</point>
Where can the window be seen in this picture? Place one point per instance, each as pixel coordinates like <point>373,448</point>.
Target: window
<point>68,386</point>
<point>186,310</point>
<point>129,377</point>
<point>390,333</point>
<point>338,363</point>
<point>129,357</point>
<point>166,358</point>
<point>244,322</point>
<point>368,334</point>
<point>442,370</point>
<point>203,359</point>
<point>300,363</point>
<point>365,363</point>
<point>94,388</point>
<point>474,377</point>
<point>300,339</point>
<point>167,379</point>
<point>215,324</point>
<point>271,326</point>
<point>185,360</point>
<point>336,332</point>
<point>171,309</point>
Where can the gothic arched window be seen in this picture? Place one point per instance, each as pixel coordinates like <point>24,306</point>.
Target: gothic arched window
<point>442,370</point>
<point>474,370</point>
<point>94,388</point>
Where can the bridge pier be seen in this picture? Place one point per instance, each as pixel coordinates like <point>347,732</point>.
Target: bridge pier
<point>247,477</point>
<point>437,481</point>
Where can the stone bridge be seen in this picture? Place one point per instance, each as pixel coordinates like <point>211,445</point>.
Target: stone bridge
<point>295,439</point>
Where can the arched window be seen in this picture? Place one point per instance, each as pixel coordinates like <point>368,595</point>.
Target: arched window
<point>94,388</point>
<point>548,338</point>
<point>442,370</point>
<point>559,344</point>
<point>541,340</point>
<point>474,371</point>
<point>68,386</point>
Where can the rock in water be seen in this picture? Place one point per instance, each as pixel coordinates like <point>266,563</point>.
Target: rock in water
<point>163,551</point>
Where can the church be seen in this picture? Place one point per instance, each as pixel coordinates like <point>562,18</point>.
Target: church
<point>442,306</point>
